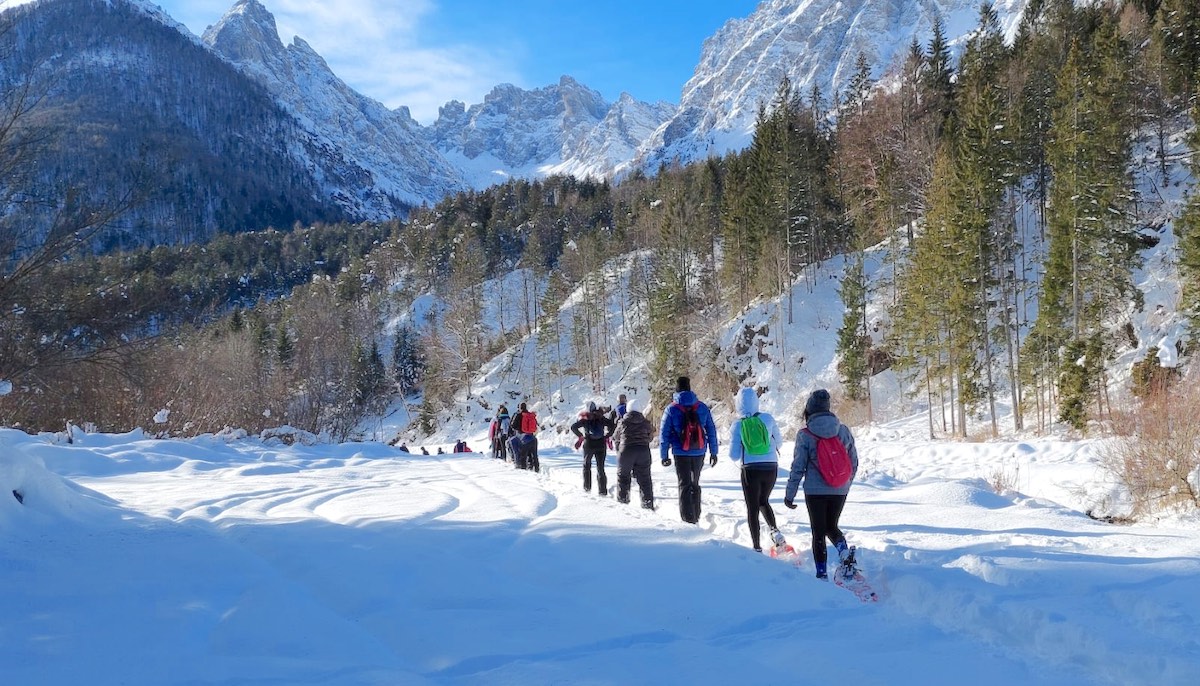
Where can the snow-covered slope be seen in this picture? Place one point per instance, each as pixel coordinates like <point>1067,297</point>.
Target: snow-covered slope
<point>372,160</point>
<point>813,42</point>
<point>144,562</point>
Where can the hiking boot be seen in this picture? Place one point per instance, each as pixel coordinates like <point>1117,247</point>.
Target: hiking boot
<point>648,505</point>
<point>777,538</point>
<point>821,573</point>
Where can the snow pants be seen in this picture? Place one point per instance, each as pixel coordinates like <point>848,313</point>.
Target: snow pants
<point>687,470</point>
<point>524,452</point>
<point>595,450</point>
<point>823,514</point>
<point>634,463</point>
<point>757,484</point>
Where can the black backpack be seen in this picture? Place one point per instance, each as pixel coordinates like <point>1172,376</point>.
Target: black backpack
<point>594,428</point>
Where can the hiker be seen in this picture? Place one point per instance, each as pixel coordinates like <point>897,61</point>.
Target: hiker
<point>687,431</point>
<point>632,442</point>
<point>403,447</point>
<point>754,443</point>
<point>592,430</point>
<point>622,407</point>
<point>424,450</point>
<point>498,433</point>
<point>523,443</point>
<point>823,500</point>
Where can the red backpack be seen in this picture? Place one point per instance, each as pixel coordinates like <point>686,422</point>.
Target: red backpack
<point>528,423</point>
<point>693,432</point>
<point>833,460</point>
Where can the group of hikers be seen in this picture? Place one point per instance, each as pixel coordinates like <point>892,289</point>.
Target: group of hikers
<point>824,462</point>
<point>515,438</point>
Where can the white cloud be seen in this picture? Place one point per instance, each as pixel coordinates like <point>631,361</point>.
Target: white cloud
<point>377,47</point>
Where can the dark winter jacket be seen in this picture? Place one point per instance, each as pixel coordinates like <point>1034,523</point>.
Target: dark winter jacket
<point>514,426</point>
<point>633,430</point>
<point>594,428</point>
<point>804,460</point>
<point>671,430</point>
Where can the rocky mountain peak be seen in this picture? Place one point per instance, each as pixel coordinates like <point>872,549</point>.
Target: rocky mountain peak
<point>246,33</point>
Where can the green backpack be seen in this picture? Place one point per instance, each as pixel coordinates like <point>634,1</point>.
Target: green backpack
<point>755,438</point>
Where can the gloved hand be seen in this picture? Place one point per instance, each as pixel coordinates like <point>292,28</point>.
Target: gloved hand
<point>789,503</point>
<point>666,462</point>
<point>578,442</point>
<point>712,460</point>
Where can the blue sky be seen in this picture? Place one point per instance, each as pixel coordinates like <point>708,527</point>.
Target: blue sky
<point>423,53</point>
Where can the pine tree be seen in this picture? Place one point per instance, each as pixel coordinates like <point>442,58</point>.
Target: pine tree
<point>1187,227</point>
<point>1179,34</point>
<point>1092,243</point>
<point>407,362</point>
<point>939,75</point>
<point>853,343</point>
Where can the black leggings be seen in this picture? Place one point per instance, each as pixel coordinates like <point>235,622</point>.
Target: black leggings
<point>823,514</point>
<point>600,455</point>
<point>757,484</point>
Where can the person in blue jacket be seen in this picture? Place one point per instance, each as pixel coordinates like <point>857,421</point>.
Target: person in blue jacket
<point>760,467</point>
<point>824,502</point>
<point>687,431</point>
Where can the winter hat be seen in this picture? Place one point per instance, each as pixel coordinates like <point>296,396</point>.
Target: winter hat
<point>817,402</point>
<point>632,406</point>
<point>683,384</point>
<point>591,406</point>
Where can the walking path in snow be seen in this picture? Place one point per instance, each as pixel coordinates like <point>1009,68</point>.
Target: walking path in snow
<point>143,561</point>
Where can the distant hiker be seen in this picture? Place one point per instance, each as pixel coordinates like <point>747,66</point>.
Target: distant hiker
<point>632,440</point>
<point>498,433</point>
<point>424,451</point>
<point>822,450</point>
<point>440,451</point>
<point>688,431</point>
<point>754,442</point>
<point>622,406</point>
<point>524,439</point>
<point>593,430</point>
<point>461,447</point>
<point>402,448</point>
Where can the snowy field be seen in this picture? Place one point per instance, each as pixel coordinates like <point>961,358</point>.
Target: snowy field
<point>139,561</point>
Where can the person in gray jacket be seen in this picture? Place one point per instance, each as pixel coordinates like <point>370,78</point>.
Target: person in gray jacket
<point>759,462</point>
<point>632,442</point>
<point>824,502</point>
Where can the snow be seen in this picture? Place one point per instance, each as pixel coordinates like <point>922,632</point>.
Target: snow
<point>213,560</point>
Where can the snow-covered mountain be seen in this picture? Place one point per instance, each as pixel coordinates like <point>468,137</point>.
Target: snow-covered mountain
<point>813,42</point>
<point>562,128</point>
<point>373,161</point>
<point>366,161</point>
